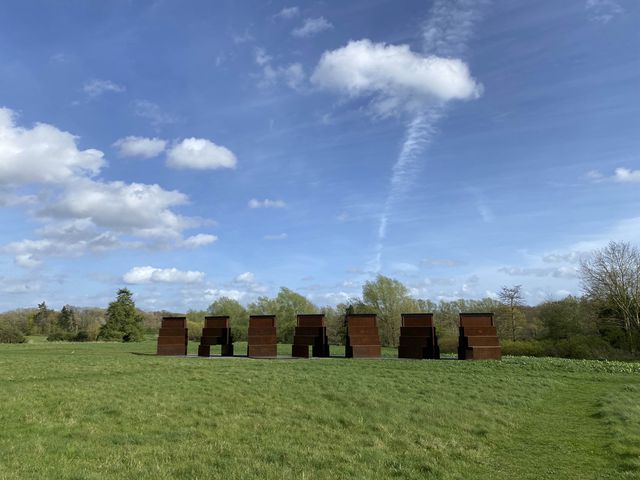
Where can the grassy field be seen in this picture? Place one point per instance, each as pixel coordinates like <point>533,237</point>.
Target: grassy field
<point>102,410</point>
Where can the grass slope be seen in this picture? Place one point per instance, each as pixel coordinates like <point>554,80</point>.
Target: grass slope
<point>105,411</point>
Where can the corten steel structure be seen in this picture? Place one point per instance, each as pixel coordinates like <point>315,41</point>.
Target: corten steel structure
<point>262,340</point>
<point>363,339</point>
<point>478,337</point>
<point>216,331</point>
<point>173,338</point>
<point>418,336</point>
<point>310,331</point>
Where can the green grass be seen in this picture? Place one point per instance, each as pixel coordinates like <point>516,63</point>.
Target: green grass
<point>99,410</point>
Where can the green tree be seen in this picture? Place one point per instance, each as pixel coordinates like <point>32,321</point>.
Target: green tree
<point>67,319</point>
<point>567,318</point>
<point>238,316</point>
<point>286,306</point>
<point>43,318</point>
<point>388,298</point>
<point>123,322</point>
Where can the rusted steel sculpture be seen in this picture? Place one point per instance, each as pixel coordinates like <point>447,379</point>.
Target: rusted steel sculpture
<point>478,337</point>
<point>173,338</point>
<point>262,339</point>
<point>418,336</point>
<point>363,339</point>
<point>216,331</point>
<point>310,331</point>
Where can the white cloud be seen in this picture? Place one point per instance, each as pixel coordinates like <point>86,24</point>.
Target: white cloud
<point>78,213</point>
<point>153,113</point>
<point>211,294</point>
<point>200,154</point>
<point>559,272</point>
<point>133,208</point>
<point>27,260</point>
<point>266,203</point>
<point>95,87</point>
<point>27,251</point>
<point>140,146</point>
<point>199,240</point>
<point>42,154</point>
<point>395,77</point>
<point>140,275</point>
<point>312,26</point>
<point>288,13</point>
<point>603,11</point>
<point>246,277</point>
<point>280,236</point>
<point>624,175</point>
<point>620,175</point>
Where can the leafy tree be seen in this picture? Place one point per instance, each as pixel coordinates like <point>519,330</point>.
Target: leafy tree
<point>43,318</point>
<point>567,318</point>
<point>123,322</point>
<point>287,305</point>
<point>238,315</point>
<point>388,298</point>
<point>67,319</point>
<point>511,298</point>
<point>611,278</point>
<point>10,333</point>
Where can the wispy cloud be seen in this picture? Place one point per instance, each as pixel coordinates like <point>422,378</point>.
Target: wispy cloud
<point>620,175</point>
<point>147,274</point>
<point>153,113</point>
<point>288,13</point>
<point>279,236</point>
<point>94,88</point>
<point>556,272</point>
<point>266,203</point>
<point>603,11</point>
<point>311,27</point>
<point>244,37</point>
<point>292,75</point>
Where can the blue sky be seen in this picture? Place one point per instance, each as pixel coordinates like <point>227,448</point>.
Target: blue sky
<point>192,150</point>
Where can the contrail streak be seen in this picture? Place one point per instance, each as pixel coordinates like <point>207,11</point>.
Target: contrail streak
<point>446,33</point>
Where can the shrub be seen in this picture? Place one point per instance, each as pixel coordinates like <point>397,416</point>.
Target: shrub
<point>59,336</point>
<point>81,336</point>
<point>195,330</point>
<point>448,344</point>
<point>576,347</point>
<point>11,334</point>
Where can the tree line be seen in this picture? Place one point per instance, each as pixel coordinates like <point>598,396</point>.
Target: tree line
<point>603,323</point>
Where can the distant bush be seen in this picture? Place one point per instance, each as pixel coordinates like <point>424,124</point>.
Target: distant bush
<point>11,334</point>
<point>59,336</point>
<point>82,336</point>
<point>448,344</point>
<point>62,336</point>
<point>195,330</point>
<point>577,347</point>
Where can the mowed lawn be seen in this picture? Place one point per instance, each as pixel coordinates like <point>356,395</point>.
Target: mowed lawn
<point>104,410</point>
